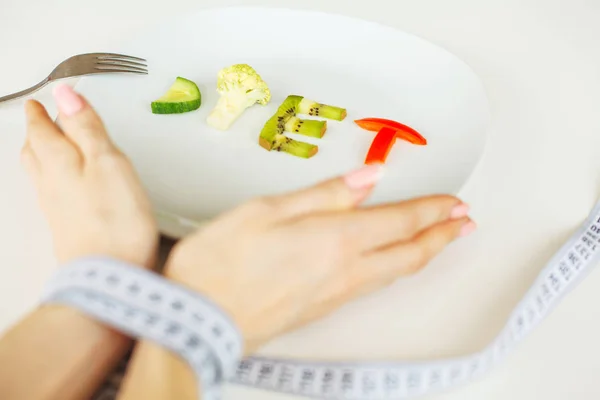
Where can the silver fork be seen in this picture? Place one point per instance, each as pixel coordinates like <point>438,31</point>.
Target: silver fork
<point>87,64</point>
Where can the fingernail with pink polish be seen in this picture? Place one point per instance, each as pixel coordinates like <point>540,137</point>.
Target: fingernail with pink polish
<point>467,228</point>
<point>459,211</point>
<point>364,177</point>
<point>69,102</point>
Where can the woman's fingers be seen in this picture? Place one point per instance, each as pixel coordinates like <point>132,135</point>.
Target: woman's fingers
<point>380,226</point>
<point>81,123</point>
<point>383,267</point>
<point>45,140</point>
<point>371,228</point>
<point>336,194</point>
<point>408,257</point>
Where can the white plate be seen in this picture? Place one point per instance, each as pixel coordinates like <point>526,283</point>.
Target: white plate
<point>196,172</point>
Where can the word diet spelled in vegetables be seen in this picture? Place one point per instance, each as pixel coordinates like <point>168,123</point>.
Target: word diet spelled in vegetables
<point>240,87</point>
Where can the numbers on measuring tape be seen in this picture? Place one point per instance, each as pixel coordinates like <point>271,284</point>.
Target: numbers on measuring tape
<point>391,383</point>
<point>243,371</point>
<point>414,381</point>
<point>368,383</point>
<point>501,349</point>
<point>539,301</point>
<point>435,378</point>
<point>554,282</point>
<point>546,293</point>
<point>594,236</point>
<point>265,373</point>
<point>584,253</point>
<point>286,377</point>
<point>574,259</point>
<point>327,382</point>
<point>307,380</point>
<point>348,381</point>
<point>589,243</point>
<point>520,325</point>
<point>531,314</point>
<point>455,374</point>
<point>565,270</point>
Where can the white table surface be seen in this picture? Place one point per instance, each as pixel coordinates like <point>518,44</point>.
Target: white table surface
<point>540,176</point>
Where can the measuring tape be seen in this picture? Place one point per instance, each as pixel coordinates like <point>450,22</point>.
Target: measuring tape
<point>406,380</point>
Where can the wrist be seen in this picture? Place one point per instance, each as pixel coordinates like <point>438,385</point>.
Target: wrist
<point>65,317</point>
<point>143,254</point>
<point>144,305</point>
<point>253,337</point>
<point>56,345</point>
<point>156,373</point>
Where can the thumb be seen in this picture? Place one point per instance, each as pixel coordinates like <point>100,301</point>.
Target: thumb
<point>80,123</point>
<point>336,194</point>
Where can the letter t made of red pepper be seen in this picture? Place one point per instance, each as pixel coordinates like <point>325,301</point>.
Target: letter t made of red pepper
<point>387,133</point>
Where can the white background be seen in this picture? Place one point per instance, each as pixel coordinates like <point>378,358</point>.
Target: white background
<point>540,176</point>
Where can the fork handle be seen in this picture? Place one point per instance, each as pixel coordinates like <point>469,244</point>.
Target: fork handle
<point>25,92</point>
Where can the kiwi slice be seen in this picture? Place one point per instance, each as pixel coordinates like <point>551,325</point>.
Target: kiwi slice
<point>276,124</point>
<point>315,109</point>
<point>272,135</point>
<point>274,127</point>
<point>289,107</point>
<point>272,138</point>
<point>294,147</point>
<point>307,127</point>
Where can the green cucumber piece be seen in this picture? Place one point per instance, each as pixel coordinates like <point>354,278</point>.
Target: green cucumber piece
<point>183,96</point>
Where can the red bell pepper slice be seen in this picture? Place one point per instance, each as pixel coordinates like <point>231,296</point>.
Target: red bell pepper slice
<point>381,146</point>
<point>403,132</point>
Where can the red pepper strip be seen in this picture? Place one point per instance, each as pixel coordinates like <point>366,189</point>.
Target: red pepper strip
<point>381,146</point>
<point>403,131</point>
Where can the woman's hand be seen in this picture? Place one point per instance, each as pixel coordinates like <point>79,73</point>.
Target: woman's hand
<point>88,190</point>
<point>95,206</point>
<point>280,262</point>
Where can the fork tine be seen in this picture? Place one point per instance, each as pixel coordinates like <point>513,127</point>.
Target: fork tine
<point>114,55</point>
<point>119,62</point>
<point>118,68</point>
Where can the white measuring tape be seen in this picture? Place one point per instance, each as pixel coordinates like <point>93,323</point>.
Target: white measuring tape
<point>405,380</point>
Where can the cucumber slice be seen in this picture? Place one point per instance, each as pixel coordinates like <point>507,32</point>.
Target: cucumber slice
<point>183,96</point>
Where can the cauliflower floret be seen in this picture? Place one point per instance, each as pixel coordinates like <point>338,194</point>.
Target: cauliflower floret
<point>240,87</point>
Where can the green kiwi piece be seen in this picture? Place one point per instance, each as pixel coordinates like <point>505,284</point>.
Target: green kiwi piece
<point>289,107</point>
<point>306,127</point>
<point>294,147</point>
<point>273,127</point>
<point>272,135</point>
<point>312,108</point>
<point>272,138</point>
